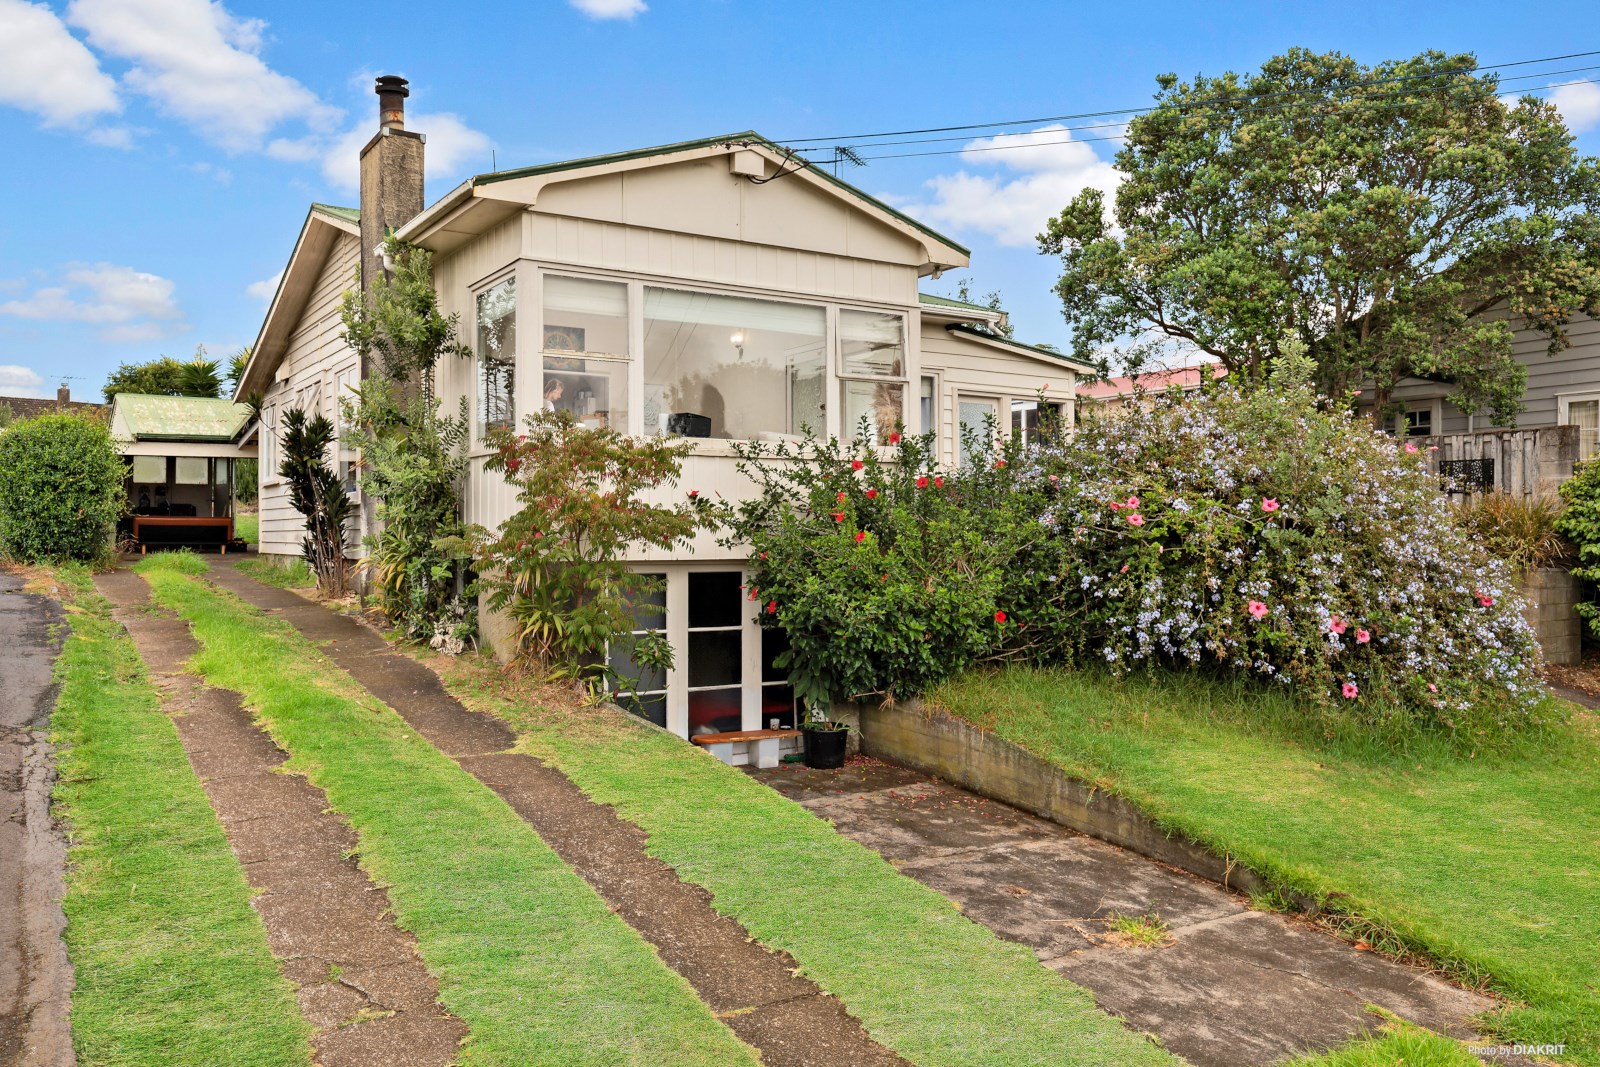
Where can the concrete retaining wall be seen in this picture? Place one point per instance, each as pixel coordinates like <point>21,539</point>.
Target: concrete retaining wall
<point>1551,596</point>
<point>937,743</point>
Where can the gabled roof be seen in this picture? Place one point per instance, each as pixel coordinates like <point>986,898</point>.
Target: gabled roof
<point>178,418</point>
<point>1008,345</point>
<point>318,234</point>
<point>1156,381</point>
<point>26,407</point>
<point>941,249</point>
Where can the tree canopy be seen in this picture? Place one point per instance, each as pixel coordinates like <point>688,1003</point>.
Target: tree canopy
<point>1400,220</point>
<point>165,376</point>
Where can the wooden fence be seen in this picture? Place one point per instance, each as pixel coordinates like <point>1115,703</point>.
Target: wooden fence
<point>1525,462</point>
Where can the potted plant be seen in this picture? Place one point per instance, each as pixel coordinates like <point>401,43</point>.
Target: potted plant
<point>824,740</point>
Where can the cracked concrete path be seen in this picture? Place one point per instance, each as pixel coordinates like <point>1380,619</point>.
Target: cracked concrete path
<point>357,976</point>
<point>1232,987</point>
<point>35,974</point>
<point>755,991</point>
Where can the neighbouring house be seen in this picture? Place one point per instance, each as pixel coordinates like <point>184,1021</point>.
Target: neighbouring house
<point>183,452</point>
<point>26,407</point>
<point>1112,396</point>
<point>708,289</point>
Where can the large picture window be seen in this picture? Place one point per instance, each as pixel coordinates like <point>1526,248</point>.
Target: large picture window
<point>732,367</point>
<point>872,368</point>
<point>497,356</point>
<point>585,347</point>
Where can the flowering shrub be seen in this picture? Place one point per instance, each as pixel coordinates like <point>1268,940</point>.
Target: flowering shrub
<point>1262,533</point>
<point>885,574</point>
<point>556,565</point>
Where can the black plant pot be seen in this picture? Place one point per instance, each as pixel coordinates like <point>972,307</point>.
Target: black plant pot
<point>825,748</point>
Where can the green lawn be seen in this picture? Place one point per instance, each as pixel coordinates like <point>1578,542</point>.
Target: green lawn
<point>287,574</point>
<point>1488,862</point>
<point>926,981</point>
<point>527,954</point>
<point>171,962</point>
<point>247,527</point>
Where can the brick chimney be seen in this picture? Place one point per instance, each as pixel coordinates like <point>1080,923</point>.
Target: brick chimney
<point>63,395</point>
<point>391,176</point>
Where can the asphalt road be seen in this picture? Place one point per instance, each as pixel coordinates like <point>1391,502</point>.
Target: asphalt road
<point>35,976</point>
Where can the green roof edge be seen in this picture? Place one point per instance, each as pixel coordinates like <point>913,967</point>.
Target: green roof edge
<point>349,214</point>
<point>946,301</point>
<point>706,142</point>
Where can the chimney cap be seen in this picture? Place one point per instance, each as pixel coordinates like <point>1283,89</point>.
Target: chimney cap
<point>392,83</point>
<point>392,91</point>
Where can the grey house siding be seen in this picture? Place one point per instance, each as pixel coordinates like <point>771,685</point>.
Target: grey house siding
<point>1575,370</point>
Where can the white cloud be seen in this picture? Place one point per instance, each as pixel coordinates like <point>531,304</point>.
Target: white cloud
<point>20,381</point>
<point>201,64</point>
<point>126,304</point>
<point>452,146</point>
<point>1579,104</point>
<point>265,289</point>
<point>46,70</point>
<point>1051,170</point>
<point>610,9</point>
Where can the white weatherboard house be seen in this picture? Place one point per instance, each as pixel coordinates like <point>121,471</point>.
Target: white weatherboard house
<point>710,289</point>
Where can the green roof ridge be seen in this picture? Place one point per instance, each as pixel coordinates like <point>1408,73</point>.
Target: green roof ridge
<point>349,214</point>
<point>950,301</point>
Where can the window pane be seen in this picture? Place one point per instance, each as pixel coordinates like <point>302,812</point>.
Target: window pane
<point>192,471</point>
<point>714,658</point>
<point>594,390</point>
<point>150,470</point>
<point>715,712</point>
<point>1585,415</point>
<point>872,342</point>
<point>777,707</point>
<point>643,679</point>
<point>977,418</point>
<point>880,403</point>
<point>497,356</point>
<point>926,408</point>
<point>1419,423</point>
<point>224,472</point>
<point>583,315</point>
<point>653,708</point>
<point>773,642</point>
<point>722,366</point>
<point>715,599</point>
<point>649,605</point>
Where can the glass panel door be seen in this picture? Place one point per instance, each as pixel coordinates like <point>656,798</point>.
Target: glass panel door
<point>715,652</point>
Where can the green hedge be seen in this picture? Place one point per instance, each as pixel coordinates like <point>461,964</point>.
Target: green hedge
<point>61,488</point>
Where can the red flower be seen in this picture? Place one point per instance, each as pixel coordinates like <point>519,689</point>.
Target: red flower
<point>1116,505</point>
<point>922,481</point>
<point>872,494</point>
<point>693,493</point>
<point>999,463</point>
<point>1000,616</point>
<point>938,483</point>
<point>841,496</point>
<point>763,555</point>
<point>513,464</point>
<point>861,535</point>
<point>856,464</point>
<point>894,438</point>
<point>772,607</point>
<point>838,516</point>
<point>1485,601</point>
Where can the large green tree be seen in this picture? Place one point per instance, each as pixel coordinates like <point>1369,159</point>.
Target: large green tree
<point>165,376</point>
<point>1401,220</point>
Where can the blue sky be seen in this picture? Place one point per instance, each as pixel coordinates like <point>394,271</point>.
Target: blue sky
<point>160,154</point>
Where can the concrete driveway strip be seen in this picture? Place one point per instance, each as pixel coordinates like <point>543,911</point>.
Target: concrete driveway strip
<point>35,975</point>
<point>1232,987</point>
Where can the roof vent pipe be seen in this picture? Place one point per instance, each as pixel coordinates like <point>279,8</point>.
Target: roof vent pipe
<point>392,91</point>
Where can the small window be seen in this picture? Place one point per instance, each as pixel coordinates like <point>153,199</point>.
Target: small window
<point>1417,422</point>
<point>979,423</point>
<point>497,357</point>
<point>927,405</point>
<point>1585,415</point>
<point>1033,420</point>
<point>150,470</point>
<point>192,470</point>
<point>267,436</point>
<point>649,699</point>
<point>872,365</point>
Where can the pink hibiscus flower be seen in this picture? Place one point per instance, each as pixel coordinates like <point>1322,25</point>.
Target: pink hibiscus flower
<point>1269,504</point>
<point>1258,610</point>
<point>1411,446</point>
<point>1136,519</point>
<point>1363,636</point>
<point>1349,690</point>
<point>1337,625</point>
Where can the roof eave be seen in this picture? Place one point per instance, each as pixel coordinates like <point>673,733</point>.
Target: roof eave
<point>1044,355</point>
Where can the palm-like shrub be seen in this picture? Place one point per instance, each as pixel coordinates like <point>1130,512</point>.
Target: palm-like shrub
<point>318,494</point>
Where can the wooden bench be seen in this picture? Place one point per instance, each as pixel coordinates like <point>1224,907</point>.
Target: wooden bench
<point>183,531</point>
<point>762,745</point>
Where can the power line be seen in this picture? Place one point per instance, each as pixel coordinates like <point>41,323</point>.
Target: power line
<point>1119,136</point>
<point>1243,111</point>
<point>1203,103</point>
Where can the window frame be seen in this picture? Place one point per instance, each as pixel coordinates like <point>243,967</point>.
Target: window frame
<point>632,380</point>
<point>838,376</point>
<point>267,450</point>
<point>1433,405</point>
<point>481,287</point>
<point>1564,402</point>
<point>1002,411</point>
